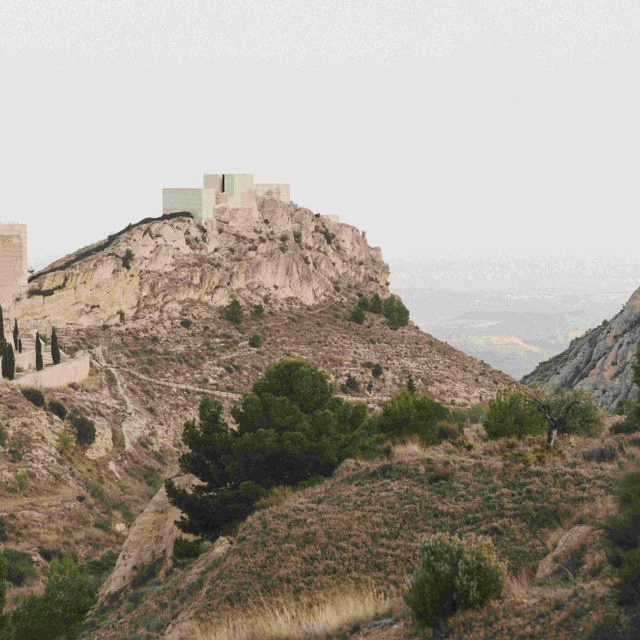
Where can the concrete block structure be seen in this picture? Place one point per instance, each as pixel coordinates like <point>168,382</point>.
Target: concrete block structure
<point>228,190</point>
<point>13,261</point>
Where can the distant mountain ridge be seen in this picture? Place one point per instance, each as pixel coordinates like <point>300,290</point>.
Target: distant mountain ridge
<point>600,362</point>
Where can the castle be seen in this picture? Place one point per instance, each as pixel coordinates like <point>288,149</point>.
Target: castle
<point>229,190</point>
<point>13,261</point>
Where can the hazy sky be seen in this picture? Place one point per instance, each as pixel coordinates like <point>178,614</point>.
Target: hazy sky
<point>439,127</point>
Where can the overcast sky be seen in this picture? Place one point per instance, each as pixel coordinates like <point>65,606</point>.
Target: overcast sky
<point>449,127</point>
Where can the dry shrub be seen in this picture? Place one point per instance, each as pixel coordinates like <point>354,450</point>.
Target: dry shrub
<point>308,618</point>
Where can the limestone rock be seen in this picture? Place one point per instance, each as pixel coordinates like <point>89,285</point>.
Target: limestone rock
<point>600,362</point>
<point>275,251</point>
<point>570,541</point>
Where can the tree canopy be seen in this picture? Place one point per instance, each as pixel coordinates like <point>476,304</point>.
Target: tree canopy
<point>291,427</point>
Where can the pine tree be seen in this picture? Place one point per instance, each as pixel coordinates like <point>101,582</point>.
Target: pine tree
<point>411,385</point>
<point>39,363</point>
<point>10,365</point>
<point>55,350</point>
<point>16,334</point>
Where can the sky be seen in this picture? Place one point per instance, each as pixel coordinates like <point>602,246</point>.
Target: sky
<point>451,127</point>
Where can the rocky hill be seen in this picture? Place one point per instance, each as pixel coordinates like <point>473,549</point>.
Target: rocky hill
<point>147,305</point>
<point>600,362</point>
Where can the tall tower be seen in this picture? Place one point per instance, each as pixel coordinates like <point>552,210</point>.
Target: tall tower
<point>13,261</point>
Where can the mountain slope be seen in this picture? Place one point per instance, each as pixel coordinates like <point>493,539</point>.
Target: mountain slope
<point>154,327</point>
<point>600,362</point>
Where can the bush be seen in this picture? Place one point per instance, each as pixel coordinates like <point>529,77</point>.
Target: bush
<point>513,414</point>
<point>408,414</point>
<point>185,323</point>
<point>395,312</point>
<point>622,534</point>
<point>233,313</point>
<point>20,566</point>
<point>35,396</point>
<point>57,408</point>
<point>127,259</point>
<point>85,429</point>
<point>377,370</point>
<point>258,312</point>
<point>69,594</point>
<point>255,341</point>
<point>454,574</point>
<point>185,550</point>
<point>357,315</point>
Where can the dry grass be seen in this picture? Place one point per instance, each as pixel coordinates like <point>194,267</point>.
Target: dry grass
<point>518,587</point>
<point>309,618</point>
<point>411,450</point>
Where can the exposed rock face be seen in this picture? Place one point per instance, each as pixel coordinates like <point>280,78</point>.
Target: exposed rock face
<point>275,252</point>
<point>600,362</point>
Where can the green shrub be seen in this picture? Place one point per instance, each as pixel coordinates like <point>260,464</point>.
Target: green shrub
<point>357,315</point>
<point>57,408</point>
<point>513,414</point>
<point>185,550</point>
<point>35,396</point>
<point>185,323</point>
<point>258,312</point>
<point>255,341</point>
<point>622,533</point>
<point>127,259</point>
<point>395,312</point>
<point>410,414</point>
<point>377,370</point>
<point>454,574</point>
<point>20,566</point>
<point>233,313</point>
<point>85,429</point>
<point>69,594</point>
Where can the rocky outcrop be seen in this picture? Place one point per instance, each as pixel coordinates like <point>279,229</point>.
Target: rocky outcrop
<point>275,252</point>
<point>600,362</point>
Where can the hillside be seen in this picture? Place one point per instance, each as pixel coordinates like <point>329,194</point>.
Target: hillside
<point>363,526</point>
<point>600,362</point>
<point>154,327</point>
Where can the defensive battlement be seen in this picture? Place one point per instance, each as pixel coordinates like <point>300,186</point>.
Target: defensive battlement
<point>229,190</point>
<point>13,260</point>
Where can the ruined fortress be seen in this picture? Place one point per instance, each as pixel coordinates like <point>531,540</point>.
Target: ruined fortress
<point>226,190</point>
<point>13,261</point>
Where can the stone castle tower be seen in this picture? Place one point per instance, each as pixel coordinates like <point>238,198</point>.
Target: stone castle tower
<point>229,190</point>
<point>13,261</point>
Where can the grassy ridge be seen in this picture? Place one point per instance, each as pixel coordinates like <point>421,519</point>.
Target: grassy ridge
<point>364,525</point>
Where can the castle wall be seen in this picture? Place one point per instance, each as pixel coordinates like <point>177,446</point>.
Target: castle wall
<point>13,261</point>
<point>174,200</point>
<point>240,190</point>
<point>280,191</point>
<point>74,370</point>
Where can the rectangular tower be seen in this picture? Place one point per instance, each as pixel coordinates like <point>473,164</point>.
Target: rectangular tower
<point>13,261</point>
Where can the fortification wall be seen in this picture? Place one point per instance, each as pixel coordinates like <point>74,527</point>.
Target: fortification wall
<point>280,191</point>
<point>74,370</point>
<point>174,200</point>
<point>13,261</point>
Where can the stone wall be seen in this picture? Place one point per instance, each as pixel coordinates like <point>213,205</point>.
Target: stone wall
<point>174,200</point>
<point>13,261</point>
<point>74,370</point>
<point>229,190</point>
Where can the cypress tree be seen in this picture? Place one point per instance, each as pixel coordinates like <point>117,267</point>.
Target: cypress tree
<point>39,363</point>
<point>19,345</point>
<point>1,324</point>
<point>10,358</point>
<point>55,350</point>
<point>3,353</point>
<point>16,333</point>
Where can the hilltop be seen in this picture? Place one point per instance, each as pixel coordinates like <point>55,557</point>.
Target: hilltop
<point>147,304</point>
<point>600,361</point>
